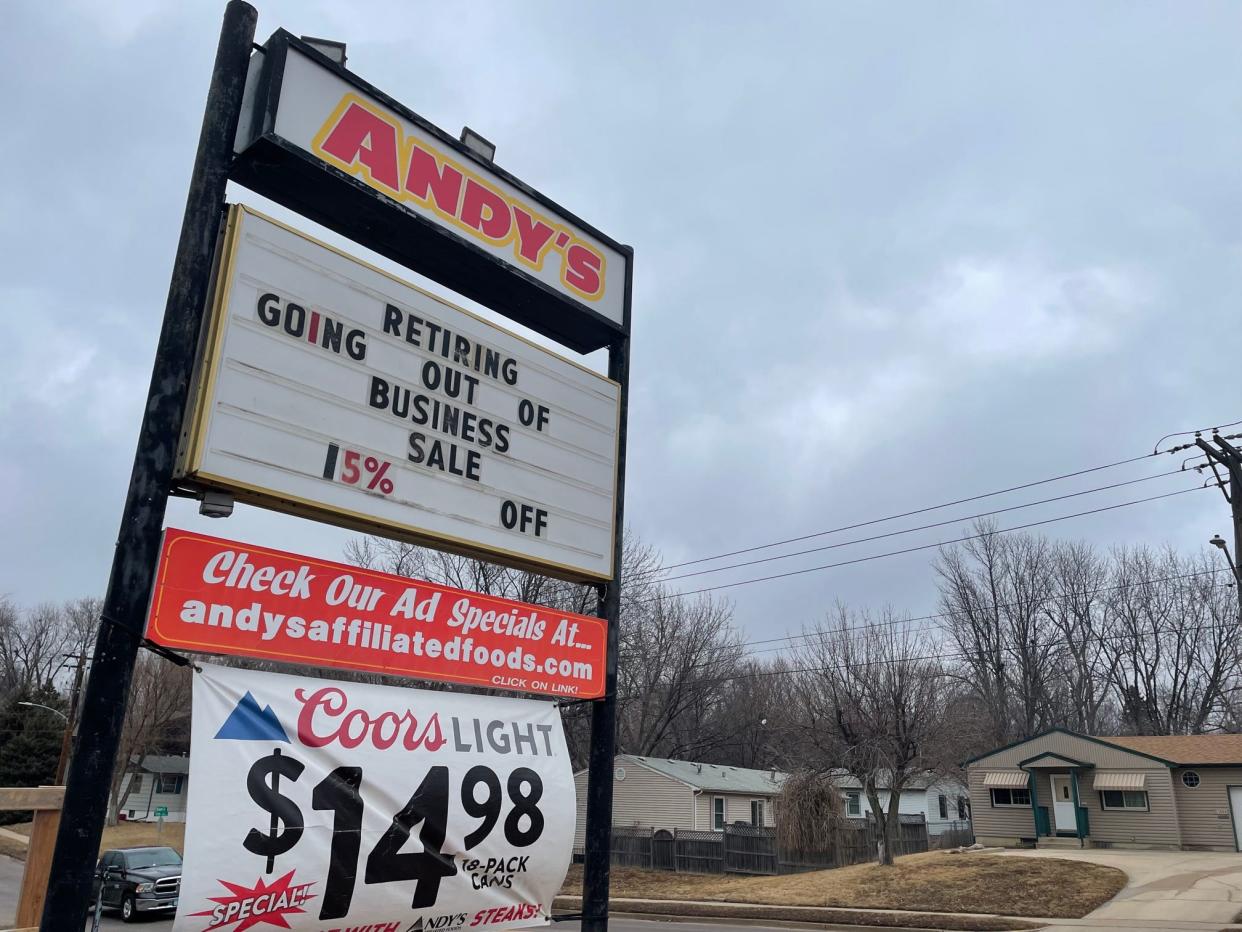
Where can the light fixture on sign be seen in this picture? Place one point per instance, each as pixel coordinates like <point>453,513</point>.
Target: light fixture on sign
<point>216,505</point>
<point>478,145</point>
<point>328,47</point>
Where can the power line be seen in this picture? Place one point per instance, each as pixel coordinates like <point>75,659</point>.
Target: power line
<point>909,620</point>
<point>1186,433</point>
<point>961,501</point>
<point>908,514</point>
<point>925,527</point>
<point>1003,605</point>
<point>752,674</point>
<point>920,547</point>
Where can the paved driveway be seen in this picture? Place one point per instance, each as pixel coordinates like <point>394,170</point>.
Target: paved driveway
<point>1168,890</point>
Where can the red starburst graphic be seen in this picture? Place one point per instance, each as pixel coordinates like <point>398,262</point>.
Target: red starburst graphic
<point>249,906</point>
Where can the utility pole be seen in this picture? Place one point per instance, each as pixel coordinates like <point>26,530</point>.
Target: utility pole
<point>1223,455</point>
<point>75,697</point>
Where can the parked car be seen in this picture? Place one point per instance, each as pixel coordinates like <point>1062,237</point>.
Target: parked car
<point>139,881</point>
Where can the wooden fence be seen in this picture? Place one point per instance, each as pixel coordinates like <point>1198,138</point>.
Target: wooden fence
<point>747,849</point>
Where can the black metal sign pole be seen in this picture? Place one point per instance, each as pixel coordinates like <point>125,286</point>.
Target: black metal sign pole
<point>597,869</point>
<point>137,547</point>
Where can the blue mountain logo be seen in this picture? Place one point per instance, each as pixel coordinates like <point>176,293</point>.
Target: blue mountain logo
<point>247,722</point>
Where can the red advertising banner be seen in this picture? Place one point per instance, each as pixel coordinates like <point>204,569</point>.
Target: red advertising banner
<point>222,597</point>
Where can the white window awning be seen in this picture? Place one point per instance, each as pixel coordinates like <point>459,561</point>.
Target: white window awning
<point>1005,778</point>
<point>1119,781</point>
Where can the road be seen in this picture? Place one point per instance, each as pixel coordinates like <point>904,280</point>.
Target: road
<point>11,878</point>
<point>615,925</point>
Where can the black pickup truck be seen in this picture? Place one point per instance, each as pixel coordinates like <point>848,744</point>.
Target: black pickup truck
<point>139,881</point>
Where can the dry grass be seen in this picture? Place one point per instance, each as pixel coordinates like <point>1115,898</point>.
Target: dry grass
<point>936,882</point>
<point>124,835</point>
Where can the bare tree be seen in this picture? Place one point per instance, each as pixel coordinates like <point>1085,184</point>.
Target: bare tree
<point>1171,640</point>
<point>33,645</point>
<point>1076,616</point>
<point>677,656</point>
<point>755,725</point>
<point>159,696</point>
<point>874,701</point>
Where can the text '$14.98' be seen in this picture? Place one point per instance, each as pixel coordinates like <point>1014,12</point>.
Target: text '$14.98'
<point>340,792</point>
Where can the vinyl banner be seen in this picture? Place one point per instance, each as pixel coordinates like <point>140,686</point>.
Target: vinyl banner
<point>222,597</point>
<point>322,805</point>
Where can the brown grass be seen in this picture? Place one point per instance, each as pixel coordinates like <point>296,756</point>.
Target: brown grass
<point>834,916</point>
<point>124,835</point>
<point>936,882</point>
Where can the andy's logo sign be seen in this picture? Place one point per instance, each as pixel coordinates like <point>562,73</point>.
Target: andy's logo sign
<point>371,145</point>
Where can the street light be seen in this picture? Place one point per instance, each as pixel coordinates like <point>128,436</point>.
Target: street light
<point>1218,541</point>
<point>62,762</point>
<point>36,705</point>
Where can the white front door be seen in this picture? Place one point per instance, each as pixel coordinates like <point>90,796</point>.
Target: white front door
<point>1063,804</point>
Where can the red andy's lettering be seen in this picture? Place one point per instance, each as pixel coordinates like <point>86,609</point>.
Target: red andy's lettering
<point>350,727</point>
<point>362,137</point>
<point>372,145</point>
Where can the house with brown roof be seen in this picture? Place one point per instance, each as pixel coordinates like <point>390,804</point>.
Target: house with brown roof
<point>1062,789</point>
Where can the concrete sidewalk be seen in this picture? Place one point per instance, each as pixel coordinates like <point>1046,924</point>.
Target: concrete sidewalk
<point>639,905</point>
<point>1088,924</point>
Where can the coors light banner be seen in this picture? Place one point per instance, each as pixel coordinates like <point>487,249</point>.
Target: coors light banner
<point>323,805</point>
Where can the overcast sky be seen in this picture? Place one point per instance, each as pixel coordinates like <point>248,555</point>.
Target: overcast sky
<point>887,255</point>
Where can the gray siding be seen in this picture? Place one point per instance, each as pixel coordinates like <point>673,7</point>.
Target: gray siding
<point>737,809</point>
<point>142,803</point>
<point>1102,755</point>
<point>991,822</point>
<point>1158,826</point>
<point>1204,810</point>
<point>644,797</point>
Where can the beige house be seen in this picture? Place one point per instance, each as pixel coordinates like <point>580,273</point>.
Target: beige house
<point>669,794</point>
<point>1064,789</point>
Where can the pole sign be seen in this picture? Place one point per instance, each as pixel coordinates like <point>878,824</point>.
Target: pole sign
<point>322,805</point>
<point>221,597</point>
<point>321,140</point>
<point>331,389</point>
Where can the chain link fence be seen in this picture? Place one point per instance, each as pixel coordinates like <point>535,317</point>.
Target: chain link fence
<point>748,849</point>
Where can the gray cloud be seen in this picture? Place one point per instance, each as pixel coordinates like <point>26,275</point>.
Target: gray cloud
<point>887,255</point>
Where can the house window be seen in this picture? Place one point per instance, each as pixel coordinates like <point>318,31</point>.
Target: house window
<point>1004,796</point>
<point>961,807</point>
<point>853,804</point>
<point>756,812</point>
<point>169,783</point>
<point>718,813</point>
<point>944,808</point>
<point>135,783</point>
<point>1190,779</point>
<point>1123,799</point>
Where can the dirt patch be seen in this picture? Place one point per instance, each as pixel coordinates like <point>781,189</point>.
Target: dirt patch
<point>935,882</point>
<point>828,916</point>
